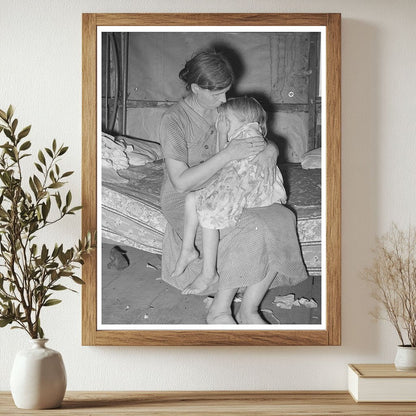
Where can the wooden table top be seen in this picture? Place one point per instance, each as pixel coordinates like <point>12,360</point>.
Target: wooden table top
<point>178,403</point>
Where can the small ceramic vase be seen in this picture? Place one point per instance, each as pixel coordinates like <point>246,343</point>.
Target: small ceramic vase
<point>38,377</point>
<point>405,358</point>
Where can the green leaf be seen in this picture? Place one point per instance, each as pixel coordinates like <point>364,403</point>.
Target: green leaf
<point>33,187</point>
<point>3,116</point>
<point>68,199</point>
<point>56,185</point>
<point>72,210</point>
<point>62,257</point>
<point>44,253</point>
<point>52,176</point>
<point>54,145</point>
<point>55,251</point>
<point>63,150</point>
<point>51,302</point>
<point>39,167</point>
<point>25,145</point>
<point>41,157</point>
<point>40,331</point>
<point>14,125</point>
<point>49,152</point>
<point>67,174</point>
<point>25,155</point>
<point>78,280</point>
<point>24,132</point>
<point>45,211</point>
<point>8,133</point>
<point>58,199</point>
<point>5,321</point>
<point>37,182</point>
<point>59,287</point>
<point>10,112</point>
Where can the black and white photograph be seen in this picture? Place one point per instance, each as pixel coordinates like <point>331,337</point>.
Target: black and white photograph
<point>211,178</point>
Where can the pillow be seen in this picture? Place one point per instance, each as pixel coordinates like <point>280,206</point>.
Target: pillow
<point>312,159</point>
<point>139,151</point>
<point>113,153</point>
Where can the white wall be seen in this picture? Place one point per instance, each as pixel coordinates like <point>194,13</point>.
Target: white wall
<point>40,73</point>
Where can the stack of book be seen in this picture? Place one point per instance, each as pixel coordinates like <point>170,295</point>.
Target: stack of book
<point>381,383</point>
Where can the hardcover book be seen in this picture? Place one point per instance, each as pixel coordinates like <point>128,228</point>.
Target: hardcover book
<point>381,383</point>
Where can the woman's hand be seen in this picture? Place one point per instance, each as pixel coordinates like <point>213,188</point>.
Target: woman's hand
<point>242,148</point>
<point>222,125</point>
<point>266,162</point>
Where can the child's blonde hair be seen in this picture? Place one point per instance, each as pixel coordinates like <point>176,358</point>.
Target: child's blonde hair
<point>247,110</point>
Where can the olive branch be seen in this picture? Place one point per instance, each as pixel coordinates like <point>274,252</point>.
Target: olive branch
<point>30,273</point>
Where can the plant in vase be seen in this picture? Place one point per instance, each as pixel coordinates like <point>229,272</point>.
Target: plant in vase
<point>31,272</point>
<point>393,277</point>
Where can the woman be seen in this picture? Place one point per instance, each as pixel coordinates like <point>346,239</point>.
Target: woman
<point>262,249</point>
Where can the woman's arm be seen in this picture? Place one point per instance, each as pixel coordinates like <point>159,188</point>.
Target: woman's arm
<point>267,160</point>
<point>185,178</point>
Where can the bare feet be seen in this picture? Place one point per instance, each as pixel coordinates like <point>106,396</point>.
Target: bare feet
<point>223,318</point>
<point>202,285</point>
<point>247,318</point>
<point>185,259</point>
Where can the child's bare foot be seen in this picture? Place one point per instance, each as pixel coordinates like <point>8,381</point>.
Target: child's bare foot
<point>202,284</point>
<point>223,318</point>
<point>247,318</point>
<point>185,258</point>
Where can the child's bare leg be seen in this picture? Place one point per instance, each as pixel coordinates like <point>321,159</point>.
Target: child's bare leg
<point>220,310</point>
<point>253,295</point>
<point>208,277</point>
<point>188,252</point>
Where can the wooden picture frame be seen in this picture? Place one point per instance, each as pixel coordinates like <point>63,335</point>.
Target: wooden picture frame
<point>331,333</point>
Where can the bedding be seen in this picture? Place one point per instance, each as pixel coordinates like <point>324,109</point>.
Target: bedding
<point>312,159</point>
<point>131,216</point>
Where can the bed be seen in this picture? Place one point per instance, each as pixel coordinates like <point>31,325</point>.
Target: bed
<point>130,207</point>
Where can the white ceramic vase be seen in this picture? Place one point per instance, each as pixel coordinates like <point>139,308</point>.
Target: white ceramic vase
<point>38,377</point>
<point>405,358</point>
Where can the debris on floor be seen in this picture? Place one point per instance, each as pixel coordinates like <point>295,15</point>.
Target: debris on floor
<point>154,267</point>
<point>288,301</point>
<point>307,303</point>
<point>118,258</point>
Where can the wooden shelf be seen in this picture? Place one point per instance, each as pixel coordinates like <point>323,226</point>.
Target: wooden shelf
<point>318,403</point>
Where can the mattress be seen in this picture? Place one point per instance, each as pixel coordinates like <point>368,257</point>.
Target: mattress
<point>131,215</point>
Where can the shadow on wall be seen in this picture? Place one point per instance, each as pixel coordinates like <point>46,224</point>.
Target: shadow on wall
<point>361,185</point>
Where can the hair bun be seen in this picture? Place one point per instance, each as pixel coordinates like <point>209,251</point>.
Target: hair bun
<point>184,74</point>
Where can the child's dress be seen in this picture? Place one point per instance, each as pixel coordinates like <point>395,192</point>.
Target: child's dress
<point>237,186</point>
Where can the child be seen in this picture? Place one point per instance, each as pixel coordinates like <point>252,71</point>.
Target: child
<point>237,186</point>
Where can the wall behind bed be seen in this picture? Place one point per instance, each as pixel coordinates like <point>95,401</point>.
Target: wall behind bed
<point>280,69</point>
<point>41,75</point>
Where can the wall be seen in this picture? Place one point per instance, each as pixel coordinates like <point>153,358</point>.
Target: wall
<point>268,66</point>
<point>41,75</point>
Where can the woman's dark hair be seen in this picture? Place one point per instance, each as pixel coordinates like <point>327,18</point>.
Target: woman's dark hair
<point>209,70</point>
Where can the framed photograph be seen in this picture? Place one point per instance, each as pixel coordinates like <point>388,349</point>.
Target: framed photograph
<point>202,237</point>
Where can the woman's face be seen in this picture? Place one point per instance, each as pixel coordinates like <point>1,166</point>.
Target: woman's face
<point>210,99</point>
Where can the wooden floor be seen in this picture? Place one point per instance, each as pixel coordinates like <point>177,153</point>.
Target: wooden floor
<point>212,403</point>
